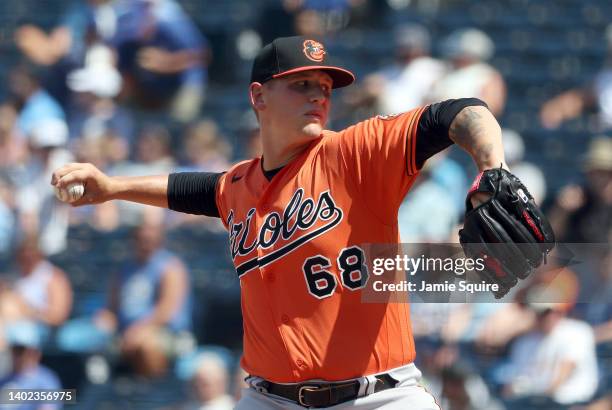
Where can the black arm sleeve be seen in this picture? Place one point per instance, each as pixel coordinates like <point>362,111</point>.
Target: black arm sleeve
<point>432,134</point>
<point>193,193</point>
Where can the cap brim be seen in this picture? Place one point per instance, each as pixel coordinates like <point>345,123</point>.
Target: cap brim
<point>340,76</point>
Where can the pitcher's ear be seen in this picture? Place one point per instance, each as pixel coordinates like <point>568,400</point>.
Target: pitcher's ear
<point>256,96</point>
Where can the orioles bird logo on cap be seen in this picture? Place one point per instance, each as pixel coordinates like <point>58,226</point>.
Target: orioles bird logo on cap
<point>314,50</point>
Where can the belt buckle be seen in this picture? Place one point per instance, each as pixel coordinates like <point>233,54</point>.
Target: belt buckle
<point>301,393</point>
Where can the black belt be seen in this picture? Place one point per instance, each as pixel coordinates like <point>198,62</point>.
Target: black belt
<point>314,394</point>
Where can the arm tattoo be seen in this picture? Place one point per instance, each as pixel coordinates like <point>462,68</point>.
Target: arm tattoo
<point>469,131</point>
<point>466,126</point>
<point>483,152</point>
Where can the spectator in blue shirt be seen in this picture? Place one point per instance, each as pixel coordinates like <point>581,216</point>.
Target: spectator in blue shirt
<point>149,303</point>
<point>34,105</point>
<point>63,48</point>
<point>26,370</point>
<point>162,57</point>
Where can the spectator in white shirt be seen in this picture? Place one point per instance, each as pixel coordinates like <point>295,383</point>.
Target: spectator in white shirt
<point>557,359</point>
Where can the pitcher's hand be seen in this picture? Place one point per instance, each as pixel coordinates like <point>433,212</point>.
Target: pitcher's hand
<point>99,187</point>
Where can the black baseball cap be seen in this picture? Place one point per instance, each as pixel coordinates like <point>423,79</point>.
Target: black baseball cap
<point>289,55</point>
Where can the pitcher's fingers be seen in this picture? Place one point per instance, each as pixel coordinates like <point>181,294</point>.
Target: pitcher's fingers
<point>66,169</point>
<point>86,199</point>
<point>79,175</point>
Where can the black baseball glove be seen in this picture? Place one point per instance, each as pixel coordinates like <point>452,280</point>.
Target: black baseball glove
<point>508,231</point>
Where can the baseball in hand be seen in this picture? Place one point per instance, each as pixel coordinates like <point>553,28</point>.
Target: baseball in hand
<point>71,193</point>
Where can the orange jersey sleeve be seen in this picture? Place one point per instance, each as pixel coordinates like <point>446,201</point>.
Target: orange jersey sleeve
<point>224,188</point>
<point>378,155</point>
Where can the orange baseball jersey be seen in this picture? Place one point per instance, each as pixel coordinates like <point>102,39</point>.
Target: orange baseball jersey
<point>295,242</point>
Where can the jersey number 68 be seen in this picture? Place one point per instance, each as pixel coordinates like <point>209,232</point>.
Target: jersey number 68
<point>322,283</point>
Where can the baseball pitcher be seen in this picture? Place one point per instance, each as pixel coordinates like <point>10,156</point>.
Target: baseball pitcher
<point>296,218</point>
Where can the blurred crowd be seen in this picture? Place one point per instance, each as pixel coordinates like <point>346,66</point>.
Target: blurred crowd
<point>125,85</point>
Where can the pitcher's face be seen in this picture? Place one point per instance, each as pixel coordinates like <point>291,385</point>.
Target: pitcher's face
<point>298,103</point>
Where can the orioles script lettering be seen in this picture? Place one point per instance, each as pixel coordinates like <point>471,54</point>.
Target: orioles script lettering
<point>299,216</point>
